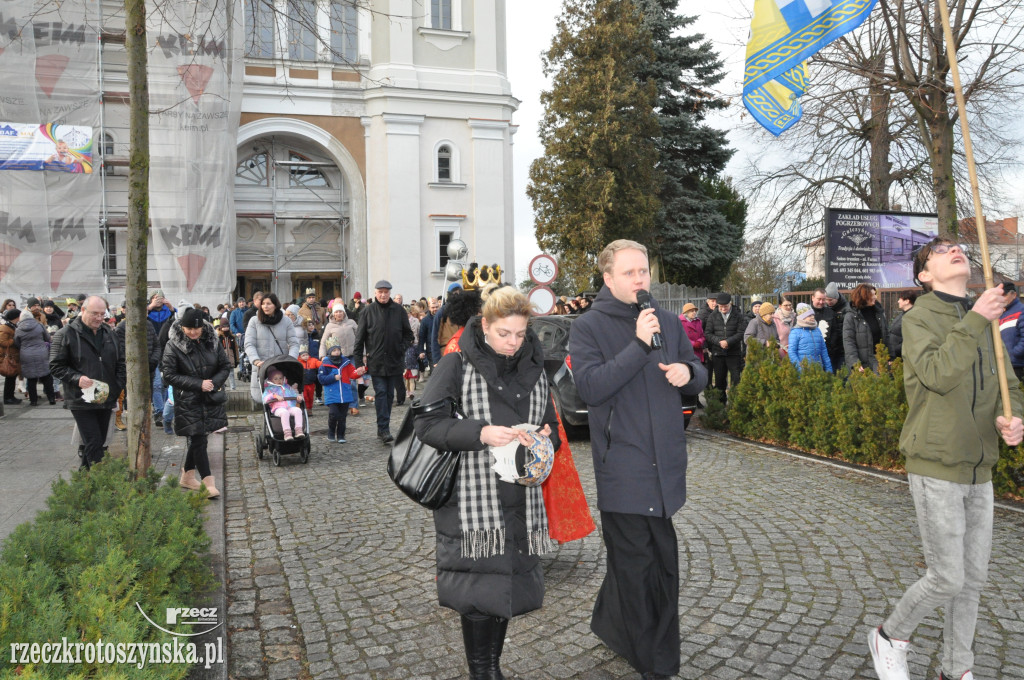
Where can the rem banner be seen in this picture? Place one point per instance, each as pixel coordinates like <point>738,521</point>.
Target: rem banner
<point>61,148</point>
<point>50,241</point>
<point>862,246</point>
<point>195,80</point>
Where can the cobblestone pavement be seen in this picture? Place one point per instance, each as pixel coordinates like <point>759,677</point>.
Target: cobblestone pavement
<point>786,565</point>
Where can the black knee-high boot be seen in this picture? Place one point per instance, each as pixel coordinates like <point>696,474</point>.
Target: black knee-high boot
<point>484,639</point>
<point>498,630</point>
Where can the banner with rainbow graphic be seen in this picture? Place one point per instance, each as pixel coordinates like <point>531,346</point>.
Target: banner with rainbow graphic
<point>57,148</point>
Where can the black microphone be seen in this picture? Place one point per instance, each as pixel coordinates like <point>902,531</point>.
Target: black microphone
<point>643,301</point>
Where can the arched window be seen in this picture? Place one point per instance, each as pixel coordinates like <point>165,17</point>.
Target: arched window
<point>252,171</point>
<point>305,175</point>
<point>444,163</point>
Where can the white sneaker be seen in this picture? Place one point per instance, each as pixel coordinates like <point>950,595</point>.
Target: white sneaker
<point>890,656</point>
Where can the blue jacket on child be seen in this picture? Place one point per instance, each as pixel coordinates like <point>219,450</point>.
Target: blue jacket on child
<point>337,391</point>
<point>807,343</point>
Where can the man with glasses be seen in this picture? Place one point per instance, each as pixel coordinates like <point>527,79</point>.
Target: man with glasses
<point>951,442</point>
<point>85,352</point>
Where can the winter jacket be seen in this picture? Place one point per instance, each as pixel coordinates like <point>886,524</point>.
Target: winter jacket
<point>33,343</point>
<point>230,346</point>
<point>858,344</point>
<point>1013,332</point>
<point>834,339</point>
<point>949,373</point>
<point>382,336</point>
<point>338,391</point>
<point>718,328</point>
<point>423,339</point>
<point>184,366</point>
<point>158,317</point>
<point>76,351</point>
<point>9,355</point>
<point>237,320</point>
<point>695,332</point>
<point>702,315</point>
<point>783,328</point>
<point>309,370</point>
<point>896,336</point>
<point>759,331</point>
<point>637,431</point>
<point>343,334</point>
<point>153,349</point>
<point>807,343</point>
<point>280,395</point>
<point>265,341</point>
<point>512,583</point>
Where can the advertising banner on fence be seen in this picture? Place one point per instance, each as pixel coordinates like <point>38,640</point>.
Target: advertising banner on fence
<point>61,148</point>
<point>864,246</point>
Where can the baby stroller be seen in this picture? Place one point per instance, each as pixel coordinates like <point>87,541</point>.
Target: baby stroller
<point>272,436</point>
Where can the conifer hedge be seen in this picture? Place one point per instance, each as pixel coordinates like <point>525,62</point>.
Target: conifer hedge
<point>106,542</point>
<point>854,416</point>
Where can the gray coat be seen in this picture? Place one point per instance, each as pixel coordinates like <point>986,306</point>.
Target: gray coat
<point>637,433</point>
<point>760,331</point>
<point>512,583</point>
<point>265,341</point>
<point>857,341</point>
<point>33,341</point>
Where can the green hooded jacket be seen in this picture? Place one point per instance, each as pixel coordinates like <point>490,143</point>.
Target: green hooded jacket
<point>952,392</point>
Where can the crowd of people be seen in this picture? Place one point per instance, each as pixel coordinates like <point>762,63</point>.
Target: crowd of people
<point>835,331</point>
<point>632,364</point>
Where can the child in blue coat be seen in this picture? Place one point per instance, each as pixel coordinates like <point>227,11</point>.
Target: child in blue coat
<point>806,341</point>
<point>336,375</point>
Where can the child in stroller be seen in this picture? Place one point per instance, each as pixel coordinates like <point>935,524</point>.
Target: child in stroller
<point>283,400</point>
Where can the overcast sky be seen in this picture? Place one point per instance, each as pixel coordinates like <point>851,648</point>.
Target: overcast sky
<point>531,26</point>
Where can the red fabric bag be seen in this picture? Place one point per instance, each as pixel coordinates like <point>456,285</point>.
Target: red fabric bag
<point>569,517</point>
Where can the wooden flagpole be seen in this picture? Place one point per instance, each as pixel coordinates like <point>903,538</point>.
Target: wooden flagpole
<point>979,216</point>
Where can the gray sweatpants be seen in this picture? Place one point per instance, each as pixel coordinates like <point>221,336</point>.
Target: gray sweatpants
<point>956,532</point>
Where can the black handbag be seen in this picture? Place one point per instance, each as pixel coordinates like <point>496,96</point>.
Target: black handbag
<point>219,396</point>
<point>420,471</point>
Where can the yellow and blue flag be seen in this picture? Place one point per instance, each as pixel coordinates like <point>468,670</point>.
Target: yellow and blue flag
<point>783,35</point>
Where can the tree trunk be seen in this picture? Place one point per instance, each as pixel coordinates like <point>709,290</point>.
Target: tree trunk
<point>940,146</point>
<point>879,138</point>
<point>139,389</point>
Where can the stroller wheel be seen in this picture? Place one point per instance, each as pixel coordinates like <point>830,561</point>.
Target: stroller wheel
<point>304,453</point>
<point>277,456</point>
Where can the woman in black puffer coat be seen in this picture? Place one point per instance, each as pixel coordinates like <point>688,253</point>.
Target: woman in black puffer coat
<point>195,365</point>
<point>490,532</point>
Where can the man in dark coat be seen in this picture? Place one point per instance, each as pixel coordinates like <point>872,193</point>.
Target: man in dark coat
<point>382,337</point>
<point>83,352</point>
<point>638,440</point>
<point>724,335</point>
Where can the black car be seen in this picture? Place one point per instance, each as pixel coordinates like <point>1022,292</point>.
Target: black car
<point>553,332</point>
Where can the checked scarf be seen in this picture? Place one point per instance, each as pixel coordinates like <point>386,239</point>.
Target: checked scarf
<point>480,516</point>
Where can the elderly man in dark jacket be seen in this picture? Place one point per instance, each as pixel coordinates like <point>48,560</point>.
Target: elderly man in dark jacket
<point>724,339</point>
<point>638,440</point>
<point>382,337</point>
<point>82,353</point>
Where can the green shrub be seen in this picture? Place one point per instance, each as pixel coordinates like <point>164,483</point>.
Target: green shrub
<point>856,415</point>
<point>714,417</point>
<point>105,542</point>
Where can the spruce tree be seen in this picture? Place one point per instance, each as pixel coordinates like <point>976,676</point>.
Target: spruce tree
<point>696,240</point>
<point>598,178</point>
